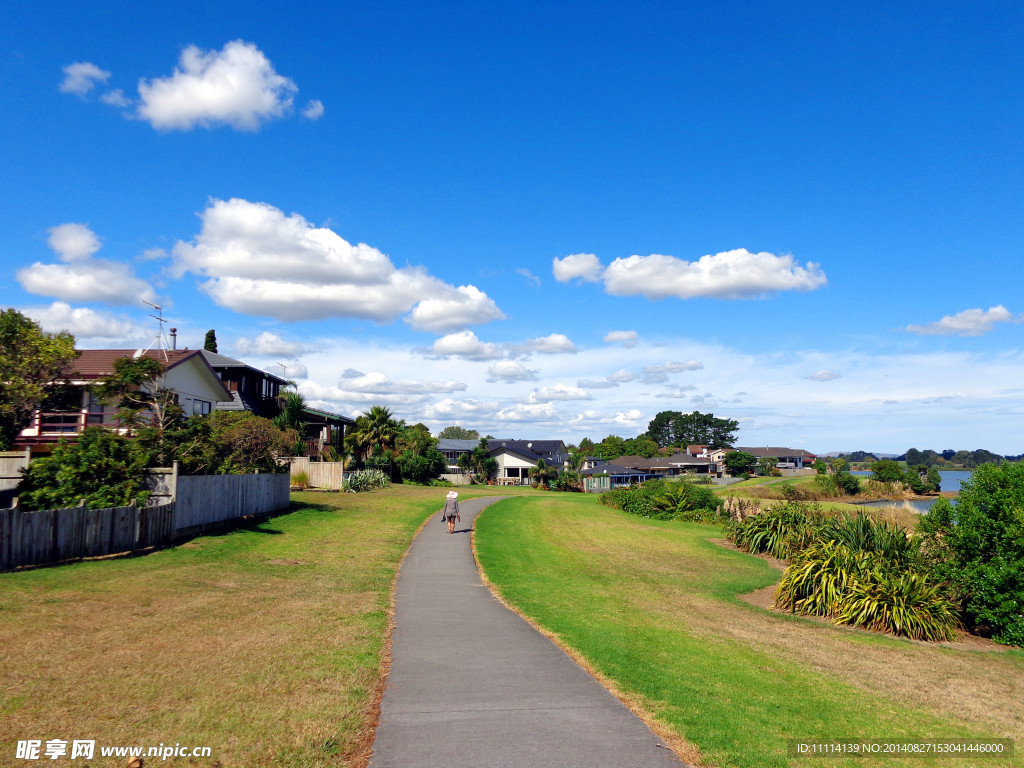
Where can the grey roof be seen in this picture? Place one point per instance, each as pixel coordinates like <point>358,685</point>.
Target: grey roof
<point>217,360</point>
<point>455,444</point>
<point>776,452</point>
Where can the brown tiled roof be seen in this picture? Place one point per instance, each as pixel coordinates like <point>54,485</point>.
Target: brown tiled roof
<point>97,363</point>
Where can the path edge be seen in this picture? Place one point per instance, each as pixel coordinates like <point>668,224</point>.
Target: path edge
<point>688,754</point>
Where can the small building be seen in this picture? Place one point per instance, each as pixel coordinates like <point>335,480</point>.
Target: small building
<point>789,458</point>
<point>517,457</point>
<point>452,449</point>
<point>251,388</point>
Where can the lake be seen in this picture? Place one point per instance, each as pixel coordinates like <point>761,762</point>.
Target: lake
<point>951,478</point>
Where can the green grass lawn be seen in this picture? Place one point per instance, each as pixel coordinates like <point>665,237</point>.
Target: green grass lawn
<point>263,643</point>
<point>653,607</point>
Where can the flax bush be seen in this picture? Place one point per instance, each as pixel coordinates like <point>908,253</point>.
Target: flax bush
<point>365,480</point>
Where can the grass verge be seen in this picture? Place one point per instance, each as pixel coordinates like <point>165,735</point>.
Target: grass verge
<point>263,643</point>
<point>653,607</point>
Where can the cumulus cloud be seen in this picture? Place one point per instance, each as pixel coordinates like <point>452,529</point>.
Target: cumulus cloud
<point>625,338</point>
<point>559,392</point>
<point>631,418</point>
<point>736,274</point>
<point>622,376</point>
<point>585,267</point>
<point>456,409</point>
<point>589,384</point>
<point>258,261</point>
<point>88,324</point>
<point>823,375</point>
<point>528,412</point>
<point>556,343</point>
<point>82,277</point>
<point>689,365</point>
<point>116,98</point>
<point>378,384</point>
<point>314,110</point>
<point>509,371</point>
<point>235,86</point>
<point>465,344</point>
<point>656,377</point>
<point>970,322</point>
<point>81,77</point>
<point>268,344</point>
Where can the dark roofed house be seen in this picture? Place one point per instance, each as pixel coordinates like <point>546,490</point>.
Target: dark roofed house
<point>251,389</point>
<point>517,457</point>
<point>789,458</point>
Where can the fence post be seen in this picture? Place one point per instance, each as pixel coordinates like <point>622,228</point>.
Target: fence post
<point>174,499</point>
<point>138,523</point>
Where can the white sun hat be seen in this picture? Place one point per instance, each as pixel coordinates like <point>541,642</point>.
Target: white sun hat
<point>452,495</point>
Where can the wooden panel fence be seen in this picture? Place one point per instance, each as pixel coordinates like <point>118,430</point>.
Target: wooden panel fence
<point>321,474</point>
<point>55,535</point>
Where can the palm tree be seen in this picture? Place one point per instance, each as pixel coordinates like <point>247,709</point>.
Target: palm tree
<point>542,473</point>
<point>376,433</point>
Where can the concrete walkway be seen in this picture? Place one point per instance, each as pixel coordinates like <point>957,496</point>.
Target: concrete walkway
<point>472,685</point>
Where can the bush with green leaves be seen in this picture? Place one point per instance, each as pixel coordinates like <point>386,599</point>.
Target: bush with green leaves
<point>662,500</point>
<point>365,480</point>
<point>421,467</point>
<point>779,531</point>
<point>102,468</point>
<point>978,546</point>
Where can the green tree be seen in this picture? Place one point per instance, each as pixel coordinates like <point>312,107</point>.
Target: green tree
<point>104,469</point>
<point>641,446</point>
<point>456,432</point>
<point>674,428</point>
<point>31,362</point>
<point>767,466</point>
<point>293,411</point>
<point>586,446</point>
<point>739,462</point>
<point>374,437</point>
<point>542,474</point>
<point>210,343</point>
<point>888,471</point>
<point>978,547</point>
<point>610,448</point>
<point>479,462</point>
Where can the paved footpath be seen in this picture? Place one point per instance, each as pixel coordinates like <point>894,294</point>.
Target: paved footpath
<point>472,685</point>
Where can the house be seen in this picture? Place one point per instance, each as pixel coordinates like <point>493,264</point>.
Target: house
<point>671,466</point>
<point>789,458</point>
<point>257,391</point>
<point>452,449</point>
<point>609,475</point>
<point>517,457</point>
<point>73,407</point>
<point>251,389</point>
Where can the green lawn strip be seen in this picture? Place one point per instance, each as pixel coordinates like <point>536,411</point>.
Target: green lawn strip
<point>615,588</point>
<point>263,642</point>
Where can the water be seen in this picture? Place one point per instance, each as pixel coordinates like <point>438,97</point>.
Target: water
<point>921,506</point>
<point>951,478</point>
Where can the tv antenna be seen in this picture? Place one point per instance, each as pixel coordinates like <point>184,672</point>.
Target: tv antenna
<point>161,341</point>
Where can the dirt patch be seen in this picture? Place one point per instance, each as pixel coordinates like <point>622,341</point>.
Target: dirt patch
<point>285,562</point>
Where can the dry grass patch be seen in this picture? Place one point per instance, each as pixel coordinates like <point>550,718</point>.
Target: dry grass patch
<point>264,643</point>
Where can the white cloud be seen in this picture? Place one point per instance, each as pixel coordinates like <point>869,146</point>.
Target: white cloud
<point>295,371</point>
<point>454,308</point>
<point>677,392</point>
<point>457,409</point>
<point>258,261</point>
<point>657,377</point>
<point>378,384</point>
<point>116,98</point>
<point>823,375</point>
<point>559,392</point>
<point>625,338</point>
<point>235,86</point>
<point>623,376</point>
<point>532,278</point>
<point>528,412</point>
<point>735,274</point>
<point>970,322</point>
<point>510,370</point>
<point>590,384</point>
<point>585,267</point>
<point>88,325</point>
<point>268,344</point>
<point>556,343</point>
<point>352,373</point>
<point>82,277</point>
<point>314,110</point>
<point>465,344</point>
<point>689,365</point>
<point>81,77</point>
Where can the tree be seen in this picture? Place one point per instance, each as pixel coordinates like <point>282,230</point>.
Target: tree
<point>456,432</point>
<point>293,409</point>
<point>641,446</point>
<point>766,465</point>
<point>674,428</point>
<point>31,361</point>
<point>374,437</point>
<point>978,547</point>
<point>888,471</point>
<point>542,474</point>
<point>210,344</point>
<point>739,462</point>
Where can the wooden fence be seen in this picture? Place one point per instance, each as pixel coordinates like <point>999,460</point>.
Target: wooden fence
<point>55,535</point>
<point>321,474</point>
<point>11,464</point>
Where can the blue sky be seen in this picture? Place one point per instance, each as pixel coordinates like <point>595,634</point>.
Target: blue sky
<point>541,219</point>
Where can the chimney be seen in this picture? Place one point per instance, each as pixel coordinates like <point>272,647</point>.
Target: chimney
<point>174,338</point>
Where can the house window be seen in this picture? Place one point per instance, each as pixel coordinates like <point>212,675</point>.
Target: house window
<point>99,413</point>
<point>201,407</point>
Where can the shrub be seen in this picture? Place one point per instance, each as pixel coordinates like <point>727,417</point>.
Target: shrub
<point>102,468</point>
<point>301,479</point>
<point>780,531</point>
<point>365,480</point>
<point>978,546</point>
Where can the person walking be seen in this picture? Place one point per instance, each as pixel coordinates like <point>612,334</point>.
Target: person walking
<point>451,510</point>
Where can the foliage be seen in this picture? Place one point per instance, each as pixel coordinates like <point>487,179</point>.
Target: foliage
<point>888,471</point>
<point>300,480</point>
<point>376,432</point>
<point>458,433</point>
<point>674,428</point>
<point>978,546</point>
<point>542,474</point>
<point>779,531</point>
<point>227,443</point>
<point>479,462</point>
<point>364,480</point>
<point>660,500</point>
<point>103,468</point>
<point>293,409</point>
<point>31,361</point>
<point>421,467</point>
<point>768,466</point>
<point>820,466</point>
<point>210,342</point>
<point>739,462</point>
